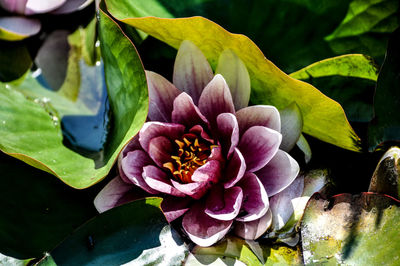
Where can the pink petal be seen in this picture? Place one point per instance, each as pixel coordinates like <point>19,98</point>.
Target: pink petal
<point>258,115</point>
<point>42,6</point>
<point>279,173</point>
<point>159,181</point>
<point>199,131</point>
<point>14,6</point>
<point>160,150</point>
<point>201,228</point>
<point>72,6</point>
<point>209,172</point>
<point>258,145</point>
<point>174,208</point>
<point>132,145</point>
<point>162,94</point>
<point>235,169</point>
<point>115,193</point>
<point>216,99</point>
<point>254,229</point>
<point>192,72</point>
<point>132,167</point>
<point>151,130</point>
<point>236,75</point>
<point>195,190</point>
<point>216,154</point>
<point>281,204</point>
<point>228,132</point>
<point>255,199</point>
<point>224,204</point>
<point>186,113</point>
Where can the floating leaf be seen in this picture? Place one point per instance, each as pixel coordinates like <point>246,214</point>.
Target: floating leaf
<point>352,65</point>
<point>386,123</point>
<point>366,27</point>
<point>351,230</point>
<point>136,232</point>
<point>28,126</point>
<point>37,210</point>
<point>323,117</point>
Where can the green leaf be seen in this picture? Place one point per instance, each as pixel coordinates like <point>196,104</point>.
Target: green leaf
<point>323,117</point>
<point>351,65</point>
<point>351,230</point>
<point>366,24</point>
<point>136,232</point>
<point>37,210</point>
<point>6,260</point>
<point>348,79</point>
<point>234,249</point>
<point>386,123</point>
<point>31,130</point>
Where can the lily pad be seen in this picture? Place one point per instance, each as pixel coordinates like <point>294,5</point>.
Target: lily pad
<point>351,230</point>
<point>323,117</point>
<point>31,130</point>
<point>135,233</point>
<point>366,27</point>
<point>37,210</point>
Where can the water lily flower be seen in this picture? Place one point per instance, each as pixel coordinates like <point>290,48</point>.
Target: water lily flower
<point>214,160</point>
<point>15,28</point>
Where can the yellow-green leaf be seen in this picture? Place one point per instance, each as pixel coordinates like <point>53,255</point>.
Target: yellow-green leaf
<point>323,117</point>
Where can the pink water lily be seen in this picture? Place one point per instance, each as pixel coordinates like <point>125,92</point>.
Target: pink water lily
<point>213,160</point>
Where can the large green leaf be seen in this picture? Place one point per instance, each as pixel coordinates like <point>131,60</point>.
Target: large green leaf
<point>386,124</point>
<point>351,230</point>
<point>348,79</point>
<point>136,232</point>
<point>323,117</point>
<point>37,211</point>
<point>234,249</point>
<point>31,130</point>
<point>366,27</point>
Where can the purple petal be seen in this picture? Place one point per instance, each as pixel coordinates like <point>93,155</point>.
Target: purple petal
<point>132,145</point>
<point>228,133</point>
<point>110,195</point>
<point>158,180</point>
<point>18,28</point>
<point>201,228</point>
<point>132,167</point>
<point>258,115</point>
<point>235,169</point>
<point>216,99</point>
<point>279,173</point>
<point>151,130</point>
<point>291,127</point>
<point>160,150</point>
<point>255,199</point>
<point>162,94</point>
<point>216,154</point>
<point>195,190</point>
<point>42,6</point>
<point>258,145</point>
<point>209,172</point>
<point>224,204</point>
<point>281,204</point>
<point>14,6</point>
<point>186,113</point>
<point>192,72</point>
<point>173,208</point>
<point>198,130</point>
<point>236,75</point>
<point>72,6</point>
<point>254,229</point>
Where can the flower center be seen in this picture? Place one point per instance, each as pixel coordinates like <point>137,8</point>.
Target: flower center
<point>190,154</point>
